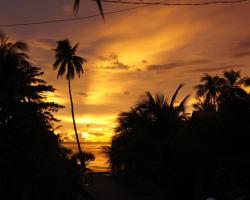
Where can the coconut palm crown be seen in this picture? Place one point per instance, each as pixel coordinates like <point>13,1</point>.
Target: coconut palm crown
<point>209,89</point>
<point>67,60</point>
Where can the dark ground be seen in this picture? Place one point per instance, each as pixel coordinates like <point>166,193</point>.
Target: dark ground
<point>105,188</point>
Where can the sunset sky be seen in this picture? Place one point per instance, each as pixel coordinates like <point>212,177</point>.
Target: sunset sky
<point>154,49</point>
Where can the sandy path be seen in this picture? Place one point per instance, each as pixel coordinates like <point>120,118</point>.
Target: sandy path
<point>104,188</point>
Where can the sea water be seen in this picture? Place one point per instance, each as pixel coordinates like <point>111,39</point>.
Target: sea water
<point>100,164</point>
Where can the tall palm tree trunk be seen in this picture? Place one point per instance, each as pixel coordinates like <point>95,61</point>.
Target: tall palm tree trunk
<point>81,156</point>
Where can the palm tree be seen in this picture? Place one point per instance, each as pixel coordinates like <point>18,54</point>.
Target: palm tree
<point>234,83</point>
<point>149,123</point>
<point>12,56</point>
<point>200,105</point>
<point>233,87</point>
<point>77,3</point>
<point>233,79</point>
<point>159,107</point>
<point>67,61</point>
<point>209,90</point>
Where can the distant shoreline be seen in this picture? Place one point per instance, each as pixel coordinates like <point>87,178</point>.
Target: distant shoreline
<point>87,142</point>
<point>100,164</point>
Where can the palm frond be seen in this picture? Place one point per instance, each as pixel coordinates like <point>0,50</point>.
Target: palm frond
<point>80,59</point>
<point>160,100</point>
<point>175,95</point>
<point>2,34</point>
<point>22,55</point>
<point>100,8</point>
<point>62,68</point>
<point>201,90</point>
<point>149,102</point>
<point>3,39</point>
<point>244,81</point>
<point>20,45</point>
<point>76,7</point>
<point>77,4</point>
<point>57,63</point>
<point>205,78</point>
<point>78,67</point>
<point>74,49</point>
<point>181,107</point>
<point>232,76</point>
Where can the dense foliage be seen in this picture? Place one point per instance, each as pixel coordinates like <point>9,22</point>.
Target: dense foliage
<point>33,163</point>
<point>166,154</point>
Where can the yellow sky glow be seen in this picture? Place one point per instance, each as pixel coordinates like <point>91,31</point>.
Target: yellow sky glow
<point>150,49</point>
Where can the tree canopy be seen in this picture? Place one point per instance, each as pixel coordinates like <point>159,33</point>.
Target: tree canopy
<point>33,162</point>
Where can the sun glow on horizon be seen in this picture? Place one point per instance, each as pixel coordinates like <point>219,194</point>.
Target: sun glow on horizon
<point>90,128</point>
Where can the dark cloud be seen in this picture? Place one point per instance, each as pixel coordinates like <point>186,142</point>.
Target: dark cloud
<point>144,61</point>
<point>161,67</point>
<point>241,49</point>
<point>85,126</point>
<point>156,67</point>
<point>46,42</point>
<point>241,54</point>
<point>111,57</point>
<point>126,93</point>
<point>116,65</point>
<point>244,44</point>
<point>84,94</point>
<point>213,69</point>
<point>96,109</point>
<point>114,62</point>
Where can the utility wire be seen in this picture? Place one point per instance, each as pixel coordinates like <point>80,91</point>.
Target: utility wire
<point>70,19</point>
<point>174,4</point>
<point>144,4</point>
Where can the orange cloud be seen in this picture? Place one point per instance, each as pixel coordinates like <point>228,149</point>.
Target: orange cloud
<point>155,48</point>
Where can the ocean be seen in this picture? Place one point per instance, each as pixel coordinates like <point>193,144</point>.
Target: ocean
<point>100,164</point>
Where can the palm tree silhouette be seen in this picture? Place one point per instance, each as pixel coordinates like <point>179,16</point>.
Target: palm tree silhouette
<point>199,105</point>
<point>233,79</point>
<point>148,123</point>
<point>67,60</point>
<point>209,90</point>
<point>17,49</point>
<point>233,86</point>
<point>77,3</point>
<point>160,107</point>
<point>12,55</point>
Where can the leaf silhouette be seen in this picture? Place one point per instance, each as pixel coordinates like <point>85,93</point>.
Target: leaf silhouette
<point>77,4</point>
